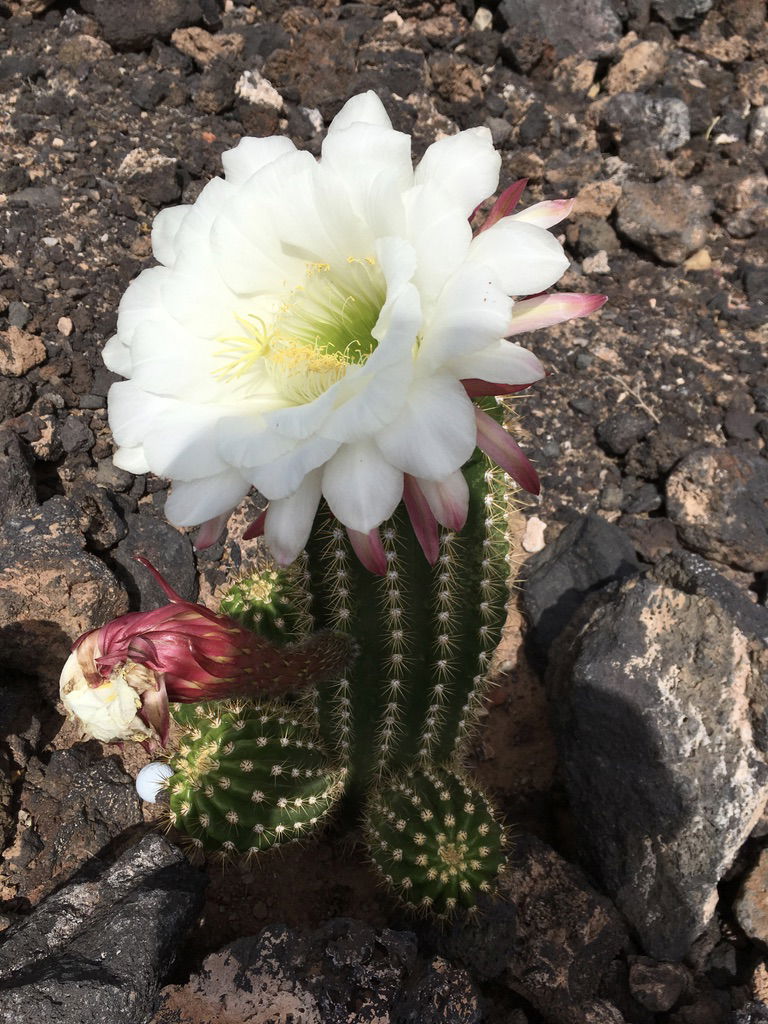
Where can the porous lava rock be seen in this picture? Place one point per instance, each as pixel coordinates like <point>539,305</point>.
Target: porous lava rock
<point>718,500</point>
<point>97,950</point>
<point>548,935</point>
<point>345,970</point>
<point>667,218</point>
<point>659,703</point>
<point>588,554</point>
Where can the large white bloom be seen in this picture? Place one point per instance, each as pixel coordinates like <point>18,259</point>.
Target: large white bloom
<point>310,325</point>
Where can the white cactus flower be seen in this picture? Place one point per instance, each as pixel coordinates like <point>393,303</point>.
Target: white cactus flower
<point>319,328</point>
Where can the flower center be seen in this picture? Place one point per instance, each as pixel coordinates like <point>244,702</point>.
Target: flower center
<point>323,327</point>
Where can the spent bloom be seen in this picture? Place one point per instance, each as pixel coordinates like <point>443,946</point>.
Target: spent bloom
<point>319,328</point>
<point>119,679</point>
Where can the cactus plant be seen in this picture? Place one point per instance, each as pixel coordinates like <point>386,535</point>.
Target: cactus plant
<point>394,726</point>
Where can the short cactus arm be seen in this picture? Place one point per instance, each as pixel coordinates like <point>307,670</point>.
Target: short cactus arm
<point>248,777</point>
<point>435,840</point>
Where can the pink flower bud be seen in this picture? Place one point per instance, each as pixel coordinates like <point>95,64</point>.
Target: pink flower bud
<point>120,678</point>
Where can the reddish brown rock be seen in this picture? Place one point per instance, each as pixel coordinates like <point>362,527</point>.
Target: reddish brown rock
<point>20,351</point>
<point>751,904</point>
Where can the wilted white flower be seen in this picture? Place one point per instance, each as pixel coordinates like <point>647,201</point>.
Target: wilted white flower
<point>107,711</point>
<point>119,679</point>
<point>319,328</point>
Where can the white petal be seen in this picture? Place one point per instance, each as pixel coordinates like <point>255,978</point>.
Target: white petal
<point>289,521</point>
<point>170,360</point>
<point>140,299</point>
<point>165,228</point>
<point>357,155</point>
<point>440,233</point>
<point>503,362</point>
<point>282,476</point>
<point>195,501</point>
<point>435,433</point>
<point>465,165</point>
<point>527,259</point>
<point>546,214</point>
<point>448,499</point>
<point>362,489</point>
<point>117,356</point>
<point>366,107</point>
<point>132,412</point>
<point>181,442</point>
<point>250,155</point>
<point>132,460</point>
<point>471,313</point>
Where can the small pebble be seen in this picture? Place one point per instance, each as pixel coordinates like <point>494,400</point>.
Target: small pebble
<point>533,538</point>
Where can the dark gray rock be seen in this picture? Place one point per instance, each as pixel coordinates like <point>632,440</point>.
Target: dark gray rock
<point>620,431</point>
<point>656,694</point>
<point>15,397</point>
<point>76,435</point>
<point>666,218</point>
<point>751,903</point>
<point>589,553</point>
<point>693,574</point>
<point>134,24</point>
<point>51,590</point>
<point>97,950</point>
<point>151,176</point>
<point>101,518</point>
<point>629,119</point>
<point>594,234</point>
<point>658,986</point>
<point>718,500</point>
<point>548,936</point>
<point>168,550</point>
<point>18,314</point>
<point>752,1013</point>
<point>17,486</point>
<point>74,805</point>
<point>681,14</point>
<point>440,992</point>
<point>345,970</point>
<point>592,29</point>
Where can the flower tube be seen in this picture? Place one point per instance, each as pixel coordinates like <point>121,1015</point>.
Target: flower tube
<point>119,679</point>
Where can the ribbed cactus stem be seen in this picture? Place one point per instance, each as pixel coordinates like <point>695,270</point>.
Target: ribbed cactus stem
<point>435,840</point>
<point>425,634</point>
<point>247,777</point>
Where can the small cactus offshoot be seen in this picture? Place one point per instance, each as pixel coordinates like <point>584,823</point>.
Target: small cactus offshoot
<point>249,777</point>
<point>435,840</point>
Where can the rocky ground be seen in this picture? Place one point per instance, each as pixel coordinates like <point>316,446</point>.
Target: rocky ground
<point>628,742</point>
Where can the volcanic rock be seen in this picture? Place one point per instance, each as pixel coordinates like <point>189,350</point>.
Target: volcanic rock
<point>549,937</point>
<point>588,554</point>
<point>344,970</point>
<point>667,218</point>
<point>718,500</point>
<point>659,703</point>
<point>97,949</point>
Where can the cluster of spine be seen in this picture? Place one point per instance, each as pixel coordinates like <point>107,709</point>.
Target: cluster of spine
<point>248,777</point>
<point>435,840</point>
<point>393,726</point>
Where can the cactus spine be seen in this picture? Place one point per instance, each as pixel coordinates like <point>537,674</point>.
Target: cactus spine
<point>395,724</point>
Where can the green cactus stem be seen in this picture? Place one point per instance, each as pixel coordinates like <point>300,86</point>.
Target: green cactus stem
<point>426,635</point>
<point>249,776</point>
<point>435,840</point>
